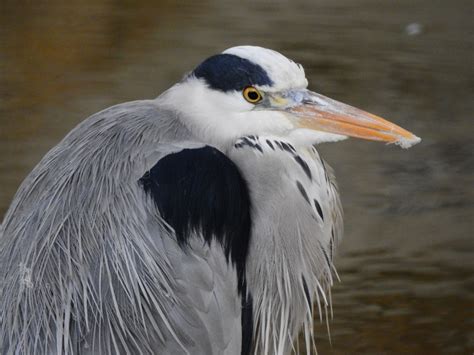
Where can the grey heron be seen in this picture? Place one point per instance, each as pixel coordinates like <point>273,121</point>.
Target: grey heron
<point>202,222</point>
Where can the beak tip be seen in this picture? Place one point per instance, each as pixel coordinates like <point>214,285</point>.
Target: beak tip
<point>406,143</point>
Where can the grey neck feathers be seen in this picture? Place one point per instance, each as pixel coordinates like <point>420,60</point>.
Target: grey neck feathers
<point>289,268</point>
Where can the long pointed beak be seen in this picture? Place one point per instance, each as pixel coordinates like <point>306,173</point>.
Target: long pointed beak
<point>321,113</point>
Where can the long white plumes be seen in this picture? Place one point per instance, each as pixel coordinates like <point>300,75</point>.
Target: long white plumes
<point>290,267</point>
<point>284,303</point>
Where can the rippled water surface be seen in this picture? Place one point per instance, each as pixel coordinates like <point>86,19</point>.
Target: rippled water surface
<point>407,259</point>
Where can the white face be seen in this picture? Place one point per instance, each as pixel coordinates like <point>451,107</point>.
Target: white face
<point>220,118</point>
<point>214,105</point>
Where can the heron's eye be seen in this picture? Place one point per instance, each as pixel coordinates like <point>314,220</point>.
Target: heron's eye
<point>252,95</point>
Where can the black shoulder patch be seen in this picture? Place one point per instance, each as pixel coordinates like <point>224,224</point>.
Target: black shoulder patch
<point>201,190</point>
<point>226,72</point>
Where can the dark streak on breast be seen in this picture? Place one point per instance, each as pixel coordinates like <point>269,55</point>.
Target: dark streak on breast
<point>303,165</point>
<point>270,144</point>
<point>302,191</point>
<point>306,292</point>
<point>318,208</point>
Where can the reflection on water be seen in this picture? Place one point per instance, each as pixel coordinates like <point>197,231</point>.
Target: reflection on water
<point>407,259</point>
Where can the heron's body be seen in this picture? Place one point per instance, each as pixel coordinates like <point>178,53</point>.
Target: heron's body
<point>137,234</point>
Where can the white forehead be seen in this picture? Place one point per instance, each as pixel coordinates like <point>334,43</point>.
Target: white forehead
<point>284,73</point>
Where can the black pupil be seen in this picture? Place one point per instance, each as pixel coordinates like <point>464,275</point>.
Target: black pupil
<point>252,95</point>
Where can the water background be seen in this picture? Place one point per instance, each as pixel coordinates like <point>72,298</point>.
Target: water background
<point>407,259</point>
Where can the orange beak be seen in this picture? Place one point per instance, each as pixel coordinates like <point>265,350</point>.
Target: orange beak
<point>321,113</point>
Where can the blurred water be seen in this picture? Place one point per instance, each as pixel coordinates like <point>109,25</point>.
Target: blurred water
<point>408,256</point>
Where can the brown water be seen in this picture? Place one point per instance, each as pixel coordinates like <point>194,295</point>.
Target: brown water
<point>407,260</point>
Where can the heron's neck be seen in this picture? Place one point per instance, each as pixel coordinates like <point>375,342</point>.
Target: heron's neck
<point>295,212</point>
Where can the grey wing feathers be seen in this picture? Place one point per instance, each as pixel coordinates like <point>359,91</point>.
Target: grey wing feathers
<point>208,308</point>
<point>81,270</point>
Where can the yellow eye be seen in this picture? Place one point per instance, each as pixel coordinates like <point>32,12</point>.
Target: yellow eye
<point>252,95</point>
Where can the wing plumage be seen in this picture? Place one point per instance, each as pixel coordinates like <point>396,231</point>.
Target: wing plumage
<point>131,236</point>
<point>203,198</point>
<point>88,264</point>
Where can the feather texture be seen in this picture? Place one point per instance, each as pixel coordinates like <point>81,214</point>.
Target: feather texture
<point>92,263</point>
<point>290,263</point>
<point>79,268</point>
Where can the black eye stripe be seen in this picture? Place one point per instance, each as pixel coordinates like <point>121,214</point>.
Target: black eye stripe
<point>228,72</point>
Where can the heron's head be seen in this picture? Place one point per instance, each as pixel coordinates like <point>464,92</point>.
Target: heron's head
<point>249,90</point>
